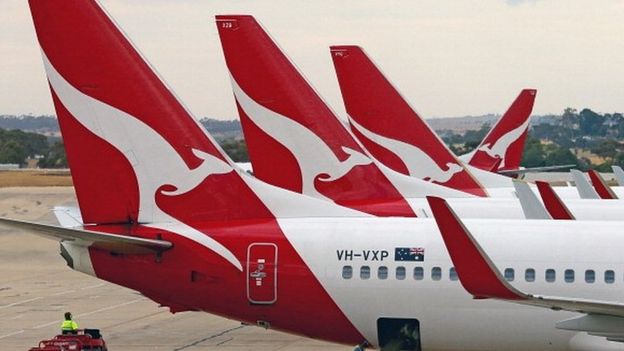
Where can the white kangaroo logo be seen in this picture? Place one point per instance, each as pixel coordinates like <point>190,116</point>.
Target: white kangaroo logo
<point>316,160</point>
<point>419,164</point>
<point>154,161</point>
<point>502,144</point>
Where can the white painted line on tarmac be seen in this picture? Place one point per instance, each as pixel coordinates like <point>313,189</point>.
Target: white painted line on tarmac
<point>92,312</point>
<point>41,297</point>
<point>112,307</point>
<point>45,325</point>
<point>93,286</point>
<point>35,299</point>
<point>21,302</point>
<point>11,334</point>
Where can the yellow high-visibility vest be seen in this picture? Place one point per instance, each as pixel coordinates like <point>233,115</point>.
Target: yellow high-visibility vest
<point>69,325</point>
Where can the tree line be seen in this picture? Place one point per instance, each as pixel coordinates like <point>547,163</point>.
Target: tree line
<point>553,140</point>
<point>569,138</point>
<point>17,146</point>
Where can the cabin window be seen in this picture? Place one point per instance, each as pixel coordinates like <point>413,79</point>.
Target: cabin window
<point>453,274</point>
<point>529,275</point>
<point>400,273</point>
<point>609,276</point>
<point>550,275</point>
<point>382,272</point>
<point>365,272</point>
<point>436,273</point>
<point>568,275</point>
<point>419,273</point>
<point>510,274</point>
<point>347,272</point>
<point>590,276</point>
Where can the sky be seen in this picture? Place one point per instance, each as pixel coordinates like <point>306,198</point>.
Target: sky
<point>448,58</point>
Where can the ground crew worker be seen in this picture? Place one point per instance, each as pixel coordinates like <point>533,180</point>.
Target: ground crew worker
<point>69,326</point>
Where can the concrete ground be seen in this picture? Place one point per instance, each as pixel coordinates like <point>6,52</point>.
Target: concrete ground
<point>36,288</point>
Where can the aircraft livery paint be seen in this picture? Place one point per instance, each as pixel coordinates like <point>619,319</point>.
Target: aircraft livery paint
<point>506,139</point>
<point>390,129</point>
<point>280,115</point>
<point>119,93</point>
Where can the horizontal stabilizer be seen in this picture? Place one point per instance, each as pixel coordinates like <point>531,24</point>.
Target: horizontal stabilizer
<point>68,217</point>
<point>110,242</point>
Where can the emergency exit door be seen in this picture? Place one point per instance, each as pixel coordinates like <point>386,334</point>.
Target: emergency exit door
<point>262,273</point>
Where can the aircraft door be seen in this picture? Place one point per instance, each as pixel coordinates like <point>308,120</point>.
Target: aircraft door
<point>262,273</point>
<point>398,334</point>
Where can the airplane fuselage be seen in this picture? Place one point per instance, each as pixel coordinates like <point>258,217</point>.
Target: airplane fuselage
<point>337,279</point>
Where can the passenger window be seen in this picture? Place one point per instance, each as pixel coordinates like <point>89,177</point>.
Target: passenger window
<point>550,275</point>
<point>453,274</point>
<point>436,273</point>
<point>609,277</point>
<point>382,272</point>
<point>568,275</point>
<point>400,273</point>
<point>365,272</point>
<point>419,273</point>
<point>529,275</point>
<point>590,276</point>
<point>347,272</point>
<point>509,274</point>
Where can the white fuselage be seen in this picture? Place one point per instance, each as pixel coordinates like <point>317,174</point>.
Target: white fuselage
<point>498,185</point>
<point>509,208</point>
<point>449,318</point>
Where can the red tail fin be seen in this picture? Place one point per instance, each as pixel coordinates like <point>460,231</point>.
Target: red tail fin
<point>390,129</point>
<point>555,207</point>
<point>137,155</point>
<point>294,139</point>
<point>601,187</point>
<point>132,147</point>
<point>506,139</point>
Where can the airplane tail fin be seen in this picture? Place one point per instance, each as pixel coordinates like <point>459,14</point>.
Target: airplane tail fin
<point>506,139</point>
<point>601,187</point>
<point>584,188</point>
<point>555,207</point>
<point>531,206</point>
<point>618,172</point>
<point>294,140</point>
<point>131,145</point>
<point>390,129</point>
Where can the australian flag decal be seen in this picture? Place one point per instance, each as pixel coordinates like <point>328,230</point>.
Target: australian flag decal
<point>416,254</point>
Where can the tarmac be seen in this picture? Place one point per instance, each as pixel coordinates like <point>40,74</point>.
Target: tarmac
<point>36,288</point>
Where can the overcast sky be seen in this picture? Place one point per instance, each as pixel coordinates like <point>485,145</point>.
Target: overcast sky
<point>448,58</point>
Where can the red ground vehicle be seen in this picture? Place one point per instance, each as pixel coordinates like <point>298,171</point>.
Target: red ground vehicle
<point>85,339</point>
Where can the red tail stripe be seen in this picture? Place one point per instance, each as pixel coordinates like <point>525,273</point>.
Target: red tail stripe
<point>603,190</point>
<point>373,102</point>
<point>517,114</point>
<point>555,207</point>
<point>477,273</point>
<point>267,76</point>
